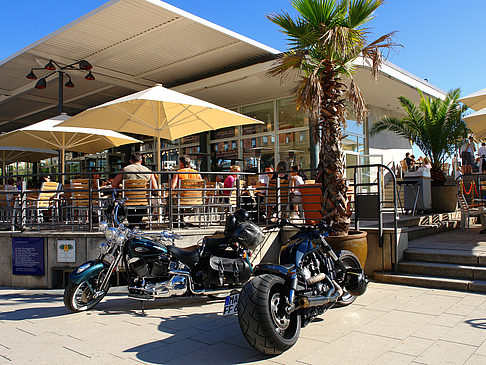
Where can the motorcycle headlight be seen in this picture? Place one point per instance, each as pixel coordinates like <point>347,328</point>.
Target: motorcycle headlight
<point>120,237</point>
<point>104,248</point>
<point>110,234</point>
<point>103,226</point>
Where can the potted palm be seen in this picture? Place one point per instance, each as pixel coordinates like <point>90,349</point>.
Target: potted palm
<point>325,39</point>
<point>436,127</point>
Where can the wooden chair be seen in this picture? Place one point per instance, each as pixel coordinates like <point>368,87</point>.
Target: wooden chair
<point>192,196</point>
<point>5,206</point>
<point>80,194</point>
<point>403,166</point>
<point>45,201</point>
<point>212,199</point>
<point>137,199</point>
<point>272,197</point>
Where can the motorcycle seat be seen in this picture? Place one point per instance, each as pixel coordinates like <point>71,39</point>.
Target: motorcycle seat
<point>215,242</point>
<point>187,255</point>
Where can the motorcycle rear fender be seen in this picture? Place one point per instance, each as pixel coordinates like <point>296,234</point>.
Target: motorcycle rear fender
<point>87,270</point>
<point>284,271</point>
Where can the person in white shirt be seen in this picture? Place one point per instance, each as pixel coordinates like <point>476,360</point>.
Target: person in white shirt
<point>296,180</point>
<point>482,158</point>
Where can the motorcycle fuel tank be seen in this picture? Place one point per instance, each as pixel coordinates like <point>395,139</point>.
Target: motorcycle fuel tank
<point>142,247</point>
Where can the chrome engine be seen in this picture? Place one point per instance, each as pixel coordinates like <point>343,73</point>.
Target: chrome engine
<point>176,285</point>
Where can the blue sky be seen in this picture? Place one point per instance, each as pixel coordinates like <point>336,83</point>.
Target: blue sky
<point>442,39</point>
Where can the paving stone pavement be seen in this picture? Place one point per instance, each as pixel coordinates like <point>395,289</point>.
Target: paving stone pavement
<point>390,324</point>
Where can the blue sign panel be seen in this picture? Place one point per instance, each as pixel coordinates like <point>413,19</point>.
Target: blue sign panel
<point>28,256</point>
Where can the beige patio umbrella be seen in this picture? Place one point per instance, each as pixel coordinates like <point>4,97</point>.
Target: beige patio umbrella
<point>477,123</point>
<point>48,134</point>
<point>475,100</point>
<point>10,155</point>
<point>161,113</point>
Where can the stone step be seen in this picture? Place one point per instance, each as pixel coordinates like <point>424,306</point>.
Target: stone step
<point>427,230</point>
<point>460,257</point>
<point>469,272</point>
<point>436,282</point>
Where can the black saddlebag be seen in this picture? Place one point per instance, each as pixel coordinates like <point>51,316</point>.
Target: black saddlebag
<point>229,271</point>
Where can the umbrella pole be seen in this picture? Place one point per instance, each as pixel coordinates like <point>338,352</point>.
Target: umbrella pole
<point>63,168</point>
<point>157,141</point>
<point>3,166</point>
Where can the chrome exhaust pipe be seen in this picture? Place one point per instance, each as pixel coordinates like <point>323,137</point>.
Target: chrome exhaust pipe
<point>331,296</point>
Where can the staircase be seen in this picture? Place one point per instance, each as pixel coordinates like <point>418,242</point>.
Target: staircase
<point>440,268</point>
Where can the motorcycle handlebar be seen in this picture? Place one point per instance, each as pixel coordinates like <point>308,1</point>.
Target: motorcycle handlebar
<point>321,226</point>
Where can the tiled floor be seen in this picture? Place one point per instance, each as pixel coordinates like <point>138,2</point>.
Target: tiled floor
<point>388,325</point>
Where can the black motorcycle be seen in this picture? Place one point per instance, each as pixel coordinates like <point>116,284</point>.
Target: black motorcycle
<point>310,279</point>
<point>155,268</point>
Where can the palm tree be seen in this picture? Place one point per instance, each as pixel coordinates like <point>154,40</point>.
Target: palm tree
<point>324,40</point>
<point>435,126</point>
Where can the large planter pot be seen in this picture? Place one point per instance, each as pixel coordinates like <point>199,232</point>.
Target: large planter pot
<point>311,202</point>
<point>355,241</point>
<point>444,198</point>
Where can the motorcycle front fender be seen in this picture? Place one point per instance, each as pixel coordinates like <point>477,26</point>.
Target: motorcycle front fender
<point>87,270</point>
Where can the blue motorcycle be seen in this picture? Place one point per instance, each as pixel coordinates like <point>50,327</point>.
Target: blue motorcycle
<point>310,279</point>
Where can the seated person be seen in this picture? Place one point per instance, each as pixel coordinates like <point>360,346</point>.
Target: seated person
<point>295,195</point>
<point>189,173</point>
<point>135,171</point>
<point>230,180</point>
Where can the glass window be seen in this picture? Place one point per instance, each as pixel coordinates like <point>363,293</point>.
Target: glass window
<point>263,112</point>
<point>294,149</point>
<point>350,143</point>
<point>223,155</point>
<point>354,127</point>
<point>257,150</point>
<point>224,133</point>
<point>289,116</point>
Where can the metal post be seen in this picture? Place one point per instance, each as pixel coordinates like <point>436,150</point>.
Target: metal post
<point>238,193</point>
<point>356,223</point>
<point>169,201</point>
<point>90,206</point>
<point>23,205</point>
<point>61,91</point>
<point>380,212</point>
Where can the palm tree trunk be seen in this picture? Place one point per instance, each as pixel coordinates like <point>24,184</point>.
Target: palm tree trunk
<point>331,156</point>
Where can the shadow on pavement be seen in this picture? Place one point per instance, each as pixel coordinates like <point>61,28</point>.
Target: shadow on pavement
<point>35,312</point>
<point>200,348</point>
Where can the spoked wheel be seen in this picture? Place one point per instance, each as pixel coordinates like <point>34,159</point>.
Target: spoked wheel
<point>262,316</point>
<point>85,295</point>
<point>349,260</point>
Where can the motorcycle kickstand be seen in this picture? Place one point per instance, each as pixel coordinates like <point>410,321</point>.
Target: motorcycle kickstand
<point>142,307</point>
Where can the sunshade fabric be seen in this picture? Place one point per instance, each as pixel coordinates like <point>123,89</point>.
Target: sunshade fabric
<point>161,113</point>
<point>477,123</point>
<point>475,100</point>
<point>47,134</point>
<point>22,154</point>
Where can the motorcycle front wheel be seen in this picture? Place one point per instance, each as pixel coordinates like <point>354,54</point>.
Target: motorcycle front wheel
<point>262,316</point>
<point>349,260</point>
<point>85,295</point>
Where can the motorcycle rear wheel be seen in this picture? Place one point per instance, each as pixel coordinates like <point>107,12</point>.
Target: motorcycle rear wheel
<point>349,260</point>
<point>79,297</point>
<point>262,318</point>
